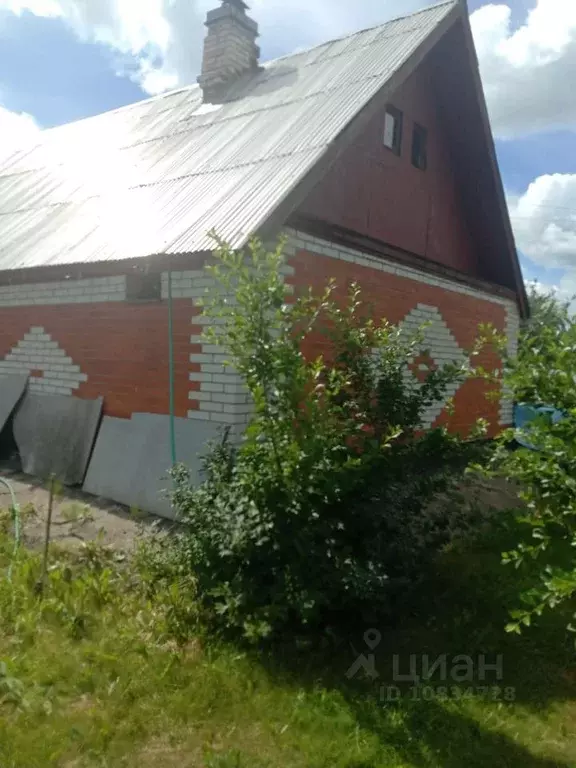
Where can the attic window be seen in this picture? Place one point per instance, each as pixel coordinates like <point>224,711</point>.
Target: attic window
<point>393,130</point>
<point>142,286</point>
<point>419,149</point>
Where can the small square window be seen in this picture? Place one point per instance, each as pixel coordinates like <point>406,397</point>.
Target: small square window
<point>143,287</point>
<point>393,130</point>
<point>419,148</point>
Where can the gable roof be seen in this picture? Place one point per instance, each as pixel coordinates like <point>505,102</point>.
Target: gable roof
<point>155,177</point>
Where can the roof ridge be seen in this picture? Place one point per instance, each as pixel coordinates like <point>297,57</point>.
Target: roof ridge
<point>362,31</point>
<point>266,64</point>
<point>237,181</point>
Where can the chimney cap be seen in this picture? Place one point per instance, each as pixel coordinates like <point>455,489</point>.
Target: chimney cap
<point>240,4</point>
<point>236,10</point>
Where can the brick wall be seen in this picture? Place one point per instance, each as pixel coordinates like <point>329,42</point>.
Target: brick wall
<point>409,297</point>
<point>85,338</point>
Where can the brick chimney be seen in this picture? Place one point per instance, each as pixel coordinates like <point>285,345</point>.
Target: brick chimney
<point>230,48</point>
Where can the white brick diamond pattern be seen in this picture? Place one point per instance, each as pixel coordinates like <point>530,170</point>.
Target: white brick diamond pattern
<point>313,245</point>
<point>37,352</point>
<point>442,347</point>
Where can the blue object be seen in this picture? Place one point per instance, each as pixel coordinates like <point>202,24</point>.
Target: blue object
<point>525,414</point>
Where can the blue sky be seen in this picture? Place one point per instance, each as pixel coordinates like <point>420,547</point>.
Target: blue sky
<point>48,72</point>
<point>61,60</point>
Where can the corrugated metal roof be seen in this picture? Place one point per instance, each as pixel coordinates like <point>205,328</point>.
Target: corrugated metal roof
<point>157,176</point>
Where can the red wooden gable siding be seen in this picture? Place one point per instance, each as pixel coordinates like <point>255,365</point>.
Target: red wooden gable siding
<point>372,191</point>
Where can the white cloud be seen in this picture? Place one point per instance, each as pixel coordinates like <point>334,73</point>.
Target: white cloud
<point>163,38</point>
<point>544,220</point>
<point>528,73</point>
<point>37,7</point>
<point>147,31</point>
<point>17,129</point>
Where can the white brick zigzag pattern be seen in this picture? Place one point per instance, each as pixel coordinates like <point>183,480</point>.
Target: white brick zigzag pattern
<point>222,396</point>
<point>38,352</point>
<point>442,346</point>
<point>512,332</point>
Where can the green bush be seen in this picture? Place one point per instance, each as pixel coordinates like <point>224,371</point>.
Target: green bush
<point>320,511</point>
<point>544,374</point>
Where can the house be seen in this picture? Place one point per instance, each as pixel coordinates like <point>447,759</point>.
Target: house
<point>373,153</point>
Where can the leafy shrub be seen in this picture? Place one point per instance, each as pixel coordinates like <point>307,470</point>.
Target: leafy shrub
<point>544,374</point>
<point>321,506</point>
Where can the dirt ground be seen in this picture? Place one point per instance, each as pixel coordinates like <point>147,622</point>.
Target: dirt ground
<point>77,517</point>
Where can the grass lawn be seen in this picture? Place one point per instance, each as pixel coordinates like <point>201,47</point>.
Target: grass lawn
<point>91,676</point>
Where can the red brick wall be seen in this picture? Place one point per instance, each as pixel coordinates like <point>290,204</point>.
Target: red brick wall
<point>372,191</point>
<point>83,338</point>
<point>394,297</point>
<point>122,349</point>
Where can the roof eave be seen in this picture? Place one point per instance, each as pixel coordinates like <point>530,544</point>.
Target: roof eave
<point>499,186</point>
